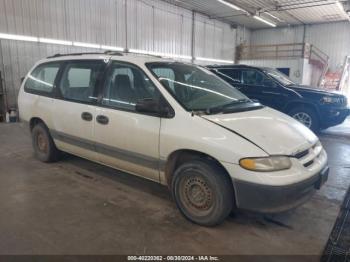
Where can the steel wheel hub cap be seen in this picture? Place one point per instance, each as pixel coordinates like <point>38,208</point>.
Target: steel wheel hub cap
<point>42,143</point>
<point>303,118</point>
<point>197,193</point>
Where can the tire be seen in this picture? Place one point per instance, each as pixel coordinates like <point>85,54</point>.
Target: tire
<point>203,192</point>
<point>44,147</point>
<point>309,115</point>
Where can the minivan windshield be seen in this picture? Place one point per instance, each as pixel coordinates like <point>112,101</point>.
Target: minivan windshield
<point>280,77</point>
<point>196,88</point>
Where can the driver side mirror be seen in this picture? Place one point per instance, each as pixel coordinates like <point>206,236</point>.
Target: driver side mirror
<point>147,105</point>
<point>152,106</point>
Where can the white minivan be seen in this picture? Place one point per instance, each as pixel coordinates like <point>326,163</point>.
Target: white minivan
<point>174,123</point>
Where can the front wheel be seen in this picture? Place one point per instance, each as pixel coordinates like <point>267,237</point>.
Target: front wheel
<point>203,192</point>
<point>307,117</point>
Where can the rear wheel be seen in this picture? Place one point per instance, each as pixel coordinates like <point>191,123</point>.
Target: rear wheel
<point>203,192</point>
<point>43,144</point>
<point>307,117</point>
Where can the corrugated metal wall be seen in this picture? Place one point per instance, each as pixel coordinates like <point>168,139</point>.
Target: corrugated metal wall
<point>277,36</point>
<point>243,35</point>
<point>151,25</point>
<point>213,38</point>
<point>332,38</point>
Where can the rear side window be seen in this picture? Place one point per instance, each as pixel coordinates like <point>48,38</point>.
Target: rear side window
<point>231,75</point>
<point>79,77</point>
<point>42,78</point>
<point>79,80</point>
<point>253,77</point>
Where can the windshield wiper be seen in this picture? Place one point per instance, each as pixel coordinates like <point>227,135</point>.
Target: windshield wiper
<point>222,108</point>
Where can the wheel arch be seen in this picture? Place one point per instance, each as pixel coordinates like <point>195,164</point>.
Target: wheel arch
<point>34,121</point>
<point>178,157</point>
<point>293,104</point>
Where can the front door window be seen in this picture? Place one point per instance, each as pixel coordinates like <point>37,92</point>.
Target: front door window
<point>125,85</point>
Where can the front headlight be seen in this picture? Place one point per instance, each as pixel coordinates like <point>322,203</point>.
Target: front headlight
<point>329,100</point>
<point>266,164</point>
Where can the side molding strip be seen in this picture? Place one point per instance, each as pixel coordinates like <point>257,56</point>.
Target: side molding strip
<point>119,153</point>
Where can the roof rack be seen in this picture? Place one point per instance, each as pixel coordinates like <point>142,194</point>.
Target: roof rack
<point>108,52</point>
<point>117,53</point>
<point>228,66</point>
<point>74,54</point>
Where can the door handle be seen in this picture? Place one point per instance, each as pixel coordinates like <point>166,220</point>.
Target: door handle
<point>103,120</point>
<point>86,116</point>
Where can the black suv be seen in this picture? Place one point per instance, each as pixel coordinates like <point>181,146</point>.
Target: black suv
<point>315,108</point>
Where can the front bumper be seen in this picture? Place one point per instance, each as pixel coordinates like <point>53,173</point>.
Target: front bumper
<point>332,116</point>
<point>274,199</point>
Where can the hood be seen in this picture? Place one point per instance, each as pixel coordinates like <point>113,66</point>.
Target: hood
<point>317,91</point>
<point>274,132</point>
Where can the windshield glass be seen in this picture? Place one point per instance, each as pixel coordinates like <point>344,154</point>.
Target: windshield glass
<point>280,77</point>
<point>194,87</point>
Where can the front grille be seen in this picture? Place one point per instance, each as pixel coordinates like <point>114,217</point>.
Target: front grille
<point>302,154</point>
<point>343,101</point>
<point>309,163</point>
<point>307,157</point>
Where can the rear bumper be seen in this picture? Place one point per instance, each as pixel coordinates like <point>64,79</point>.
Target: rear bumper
<point>275,199</point>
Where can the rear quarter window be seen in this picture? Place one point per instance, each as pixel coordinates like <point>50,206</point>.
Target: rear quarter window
<point>42,78</point>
